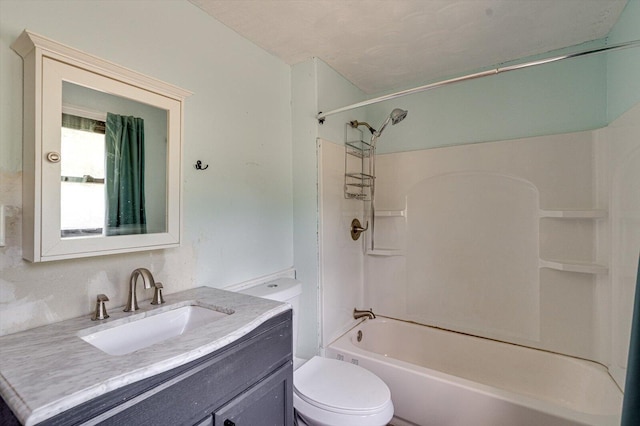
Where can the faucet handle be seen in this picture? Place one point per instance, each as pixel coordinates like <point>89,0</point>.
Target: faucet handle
<point>100,312</point>
<point>157,294</point>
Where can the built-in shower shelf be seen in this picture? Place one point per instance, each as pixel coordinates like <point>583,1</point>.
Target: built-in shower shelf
<point>574,266</point>
<point>390,213</point>
<point>385,252</point>
<point>574,213</point>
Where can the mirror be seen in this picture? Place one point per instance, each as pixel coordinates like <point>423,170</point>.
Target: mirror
<point>102,155</point>
<point>105,190</point>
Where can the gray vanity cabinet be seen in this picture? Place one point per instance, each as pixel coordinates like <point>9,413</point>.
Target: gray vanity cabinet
<point>260,405</point>
<point>247,383</point>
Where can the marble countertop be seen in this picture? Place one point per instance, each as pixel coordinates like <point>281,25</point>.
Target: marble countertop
<point>47,370</point>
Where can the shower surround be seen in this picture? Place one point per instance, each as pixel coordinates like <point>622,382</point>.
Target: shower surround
<point>473,238</point>
<point>531,241</point>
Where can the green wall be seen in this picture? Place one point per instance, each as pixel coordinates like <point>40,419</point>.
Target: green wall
<point>567,96</point>
<point>623,67</point>
<point>238,213</point>
<point>561,97</point>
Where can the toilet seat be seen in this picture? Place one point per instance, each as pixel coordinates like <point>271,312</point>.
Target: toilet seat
<point>334,390</point>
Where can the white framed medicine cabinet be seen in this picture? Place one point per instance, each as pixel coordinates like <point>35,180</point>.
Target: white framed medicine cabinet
<point>75,193</point>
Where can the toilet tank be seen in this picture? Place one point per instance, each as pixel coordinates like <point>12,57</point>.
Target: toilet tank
<point>283,290</point>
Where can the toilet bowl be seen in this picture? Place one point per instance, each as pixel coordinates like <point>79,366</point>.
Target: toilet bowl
<point>329,392</point>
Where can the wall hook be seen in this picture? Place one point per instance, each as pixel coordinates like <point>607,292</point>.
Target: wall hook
<point>198,166</point>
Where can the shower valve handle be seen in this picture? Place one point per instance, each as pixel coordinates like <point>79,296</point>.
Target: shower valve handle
<point>360,228</point>
<point>357,229</point>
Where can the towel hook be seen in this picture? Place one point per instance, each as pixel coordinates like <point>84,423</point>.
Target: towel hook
<point>198,166</point>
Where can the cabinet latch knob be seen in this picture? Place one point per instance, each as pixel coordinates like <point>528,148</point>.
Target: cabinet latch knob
<point>53,157</point>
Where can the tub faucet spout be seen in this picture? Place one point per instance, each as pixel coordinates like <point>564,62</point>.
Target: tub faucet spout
<point>147,280</point>
<point>357,313</point>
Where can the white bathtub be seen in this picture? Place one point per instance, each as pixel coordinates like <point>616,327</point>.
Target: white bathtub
<point>442,378</point>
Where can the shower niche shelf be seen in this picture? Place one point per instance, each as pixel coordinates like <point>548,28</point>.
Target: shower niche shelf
<point>574,266</point>
<point>574,214</point>
<point>391,218</point>
<point>390,213</point>
<point>385,252</point>
<point>585,267</point>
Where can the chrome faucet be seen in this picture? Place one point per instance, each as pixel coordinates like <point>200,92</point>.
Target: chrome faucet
<point>357,313</point>
<point>147,280</point>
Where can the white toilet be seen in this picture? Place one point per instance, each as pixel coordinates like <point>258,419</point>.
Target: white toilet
<point>328,392</point>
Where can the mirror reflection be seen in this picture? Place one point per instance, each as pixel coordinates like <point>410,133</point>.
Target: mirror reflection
<point>113,165</point>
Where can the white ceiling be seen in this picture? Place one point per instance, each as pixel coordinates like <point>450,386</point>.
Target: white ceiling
<point>380,45</point>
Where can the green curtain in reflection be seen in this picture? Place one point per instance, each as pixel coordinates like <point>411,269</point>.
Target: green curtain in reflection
<point>124,138</point>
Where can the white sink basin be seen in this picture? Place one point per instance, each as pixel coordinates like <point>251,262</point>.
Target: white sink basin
<point>147,331</point>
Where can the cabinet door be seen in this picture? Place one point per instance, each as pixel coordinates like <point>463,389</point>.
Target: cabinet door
<point>60,181</point>
<point>267,403</point>
<point>206,422</point>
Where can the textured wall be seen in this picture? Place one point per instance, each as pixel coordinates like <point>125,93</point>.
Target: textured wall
<point>238,213</point>
<point>623,67</point>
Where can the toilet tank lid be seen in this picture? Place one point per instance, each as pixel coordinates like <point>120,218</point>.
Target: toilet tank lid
<point>282,289</point>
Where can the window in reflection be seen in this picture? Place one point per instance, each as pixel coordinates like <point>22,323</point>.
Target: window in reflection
<point>82,188</point>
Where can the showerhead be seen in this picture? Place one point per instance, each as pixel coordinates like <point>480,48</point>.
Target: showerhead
<point>396,116</point>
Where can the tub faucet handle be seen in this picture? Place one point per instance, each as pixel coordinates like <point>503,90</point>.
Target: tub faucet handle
<point>100,312</point>
<point>157,294</point>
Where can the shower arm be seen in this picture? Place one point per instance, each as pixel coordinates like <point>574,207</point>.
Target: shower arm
<point>374,132</point>
<point>356,123</point>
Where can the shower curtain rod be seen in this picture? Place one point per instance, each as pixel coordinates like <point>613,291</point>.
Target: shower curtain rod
<point>321,116</point>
